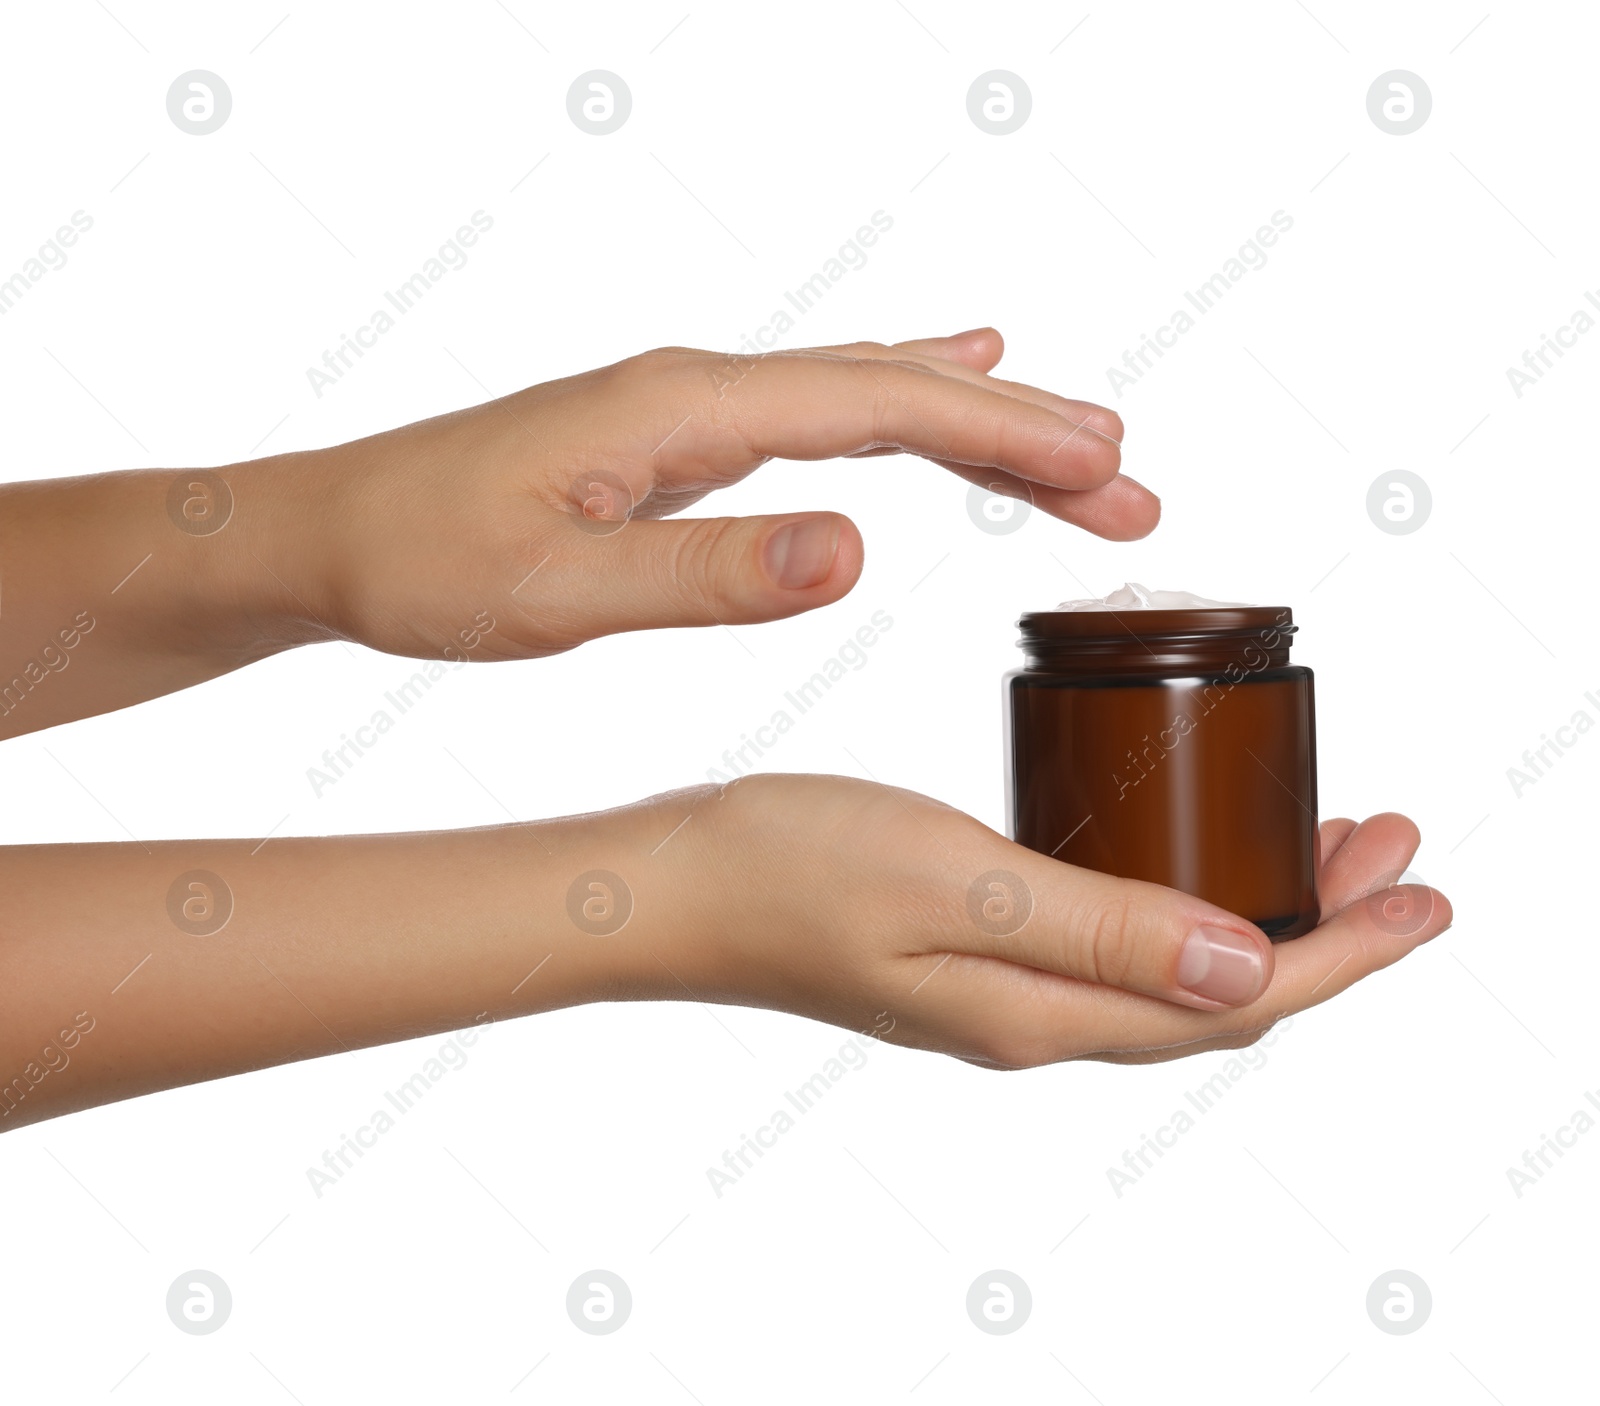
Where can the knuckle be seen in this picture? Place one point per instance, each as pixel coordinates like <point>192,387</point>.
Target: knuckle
<point>1109,942</point>
<point>1108,453</point>
<point>1252,1034</point>
<point>695,561</point>
<point>865,350</point>
<point>1109,423</point>
<point>881,409</point>
<point>644,369</point>
<point>663,356</point>
<point>1092,449</point>
<point>1010,1051</point>
<point>882,419</point>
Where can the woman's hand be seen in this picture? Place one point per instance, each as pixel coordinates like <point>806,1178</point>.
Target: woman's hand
<point>880,910</point>
<point>875,909</point>
<point>519,528</point>
<point>543,511</point>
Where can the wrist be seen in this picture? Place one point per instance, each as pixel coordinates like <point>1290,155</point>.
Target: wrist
<point>269,566</point>
<point>636,901</point>
<point>723,853</point>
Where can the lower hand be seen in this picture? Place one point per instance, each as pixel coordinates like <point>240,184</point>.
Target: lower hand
<point>849,902</point>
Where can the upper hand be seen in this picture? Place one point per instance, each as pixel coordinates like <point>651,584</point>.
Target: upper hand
<point>545,511</point>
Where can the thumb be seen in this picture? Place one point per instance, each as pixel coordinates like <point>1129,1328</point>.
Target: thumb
<point>1124,933</point>
<point>658,574</point>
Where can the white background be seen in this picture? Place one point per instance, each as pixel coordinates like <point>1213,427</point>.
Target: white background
<point>1377,1132</point>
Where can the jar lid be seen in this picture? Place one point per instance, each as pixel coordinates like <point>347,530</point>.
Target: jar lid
<point>1070,626</point>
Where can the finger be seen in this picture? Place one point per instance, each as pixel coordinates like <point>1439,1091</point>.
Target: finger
<point>1115,932</point>
<point>1365,937</point>
<point>1018,1016</point>
<point>1374,925</point>
<point>1373,857</point>
<point>823,405</point>
<point>1123,510</point>
<point>706,571</point>
<point>968,364</point>
<point>1001,1015</point>
<point>1331,836</point>
<point>1097,418</point>
<point>979,349</point>
<point>1233,1041</point>
<point>1053,1016</point>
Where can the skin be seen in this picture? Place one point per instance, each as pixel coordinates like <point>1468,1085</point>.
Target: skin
<point>546,514</point>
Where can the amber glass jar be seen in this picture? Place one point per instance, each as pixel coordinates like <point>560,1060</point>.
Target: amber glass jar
<point>1175,746</point>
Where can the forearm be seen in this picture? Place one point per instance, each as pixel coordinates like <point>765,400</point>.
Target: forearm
<point>124,586</point>
<point>309,947</point>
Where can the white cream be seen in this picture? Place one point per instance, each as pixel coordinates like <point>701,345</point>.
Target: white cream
<point>1133,596</point>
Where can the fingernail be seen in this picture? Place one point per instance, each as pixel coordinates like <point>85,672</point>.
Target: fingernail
<point>1220,965</point>
<point>801,554</point>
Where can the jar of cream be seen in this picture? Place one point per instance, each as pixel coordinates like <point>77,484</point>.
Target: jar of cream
<point>1160,736</point>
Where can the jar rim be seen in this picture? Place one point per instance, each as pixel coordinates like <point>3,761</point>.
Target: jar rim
<point>1199,623</point>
